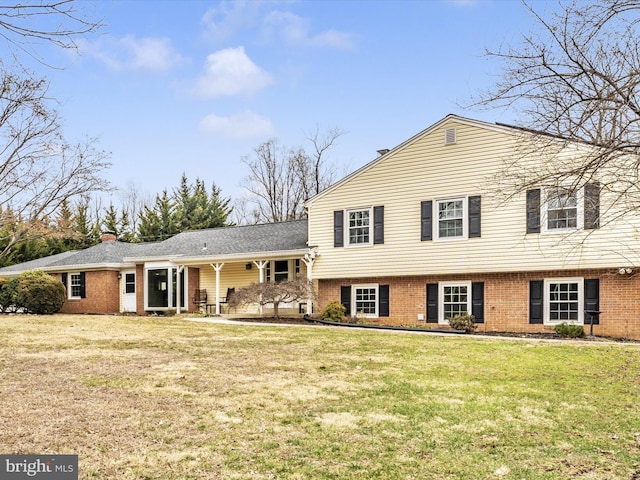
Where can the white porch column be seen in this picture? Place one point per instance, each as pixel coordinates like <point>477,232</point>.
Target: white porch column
<point>261,264</point>
<point>217,267</point>
<point>179,270</point>
<point>309,259</point>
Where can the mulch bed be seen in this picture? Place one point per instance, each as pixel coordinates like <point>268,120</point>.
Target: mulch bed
<point>541,335</point>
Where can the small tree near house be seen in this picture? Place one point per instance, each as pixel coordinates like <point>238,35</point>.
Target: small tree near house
<point>276,293</point>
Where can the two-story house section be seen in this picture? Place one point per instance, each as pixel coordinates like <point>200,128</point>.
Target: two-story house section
<point>425,231</point>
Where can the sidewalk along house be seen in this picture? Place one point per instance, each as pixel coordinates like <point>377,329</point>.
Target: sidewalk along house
<point>423,232</point>
<point>189,272</point>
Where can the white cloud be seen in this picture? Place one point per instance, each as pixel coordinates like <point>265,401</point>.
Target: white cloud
<point>131,53</point>
<point>225,20</point>
<point>229,19</point>
<point>241,126</point>
<point>230,72</point>
<point>296,30</point>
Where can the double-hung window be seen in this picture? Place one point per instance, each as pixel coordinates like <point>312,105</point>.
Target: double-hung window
<point>451,217</point>
<point>563,300</point>
<point>75,285</point>
<point>562,209</point>
<point>455,299</point>
<point>359,226</point>
<point>365,300</point>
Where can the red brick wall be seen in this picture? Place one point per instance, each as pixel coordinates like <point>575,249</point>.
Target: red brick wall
<point>194,284</point>
<point>140,289</point>
<point>506,299</point>
<point>102,294</point>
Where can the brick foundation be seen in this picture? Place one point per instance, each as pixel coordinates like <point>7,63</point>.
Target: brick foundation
<point>506,300</point>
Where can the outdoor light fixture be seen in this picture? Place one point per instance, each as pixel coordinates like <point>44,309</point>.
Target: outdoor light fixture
<point>248,266</point>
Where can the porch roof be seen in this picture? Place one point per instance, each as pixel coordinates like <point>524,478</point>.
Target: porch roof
<point>248,241</point>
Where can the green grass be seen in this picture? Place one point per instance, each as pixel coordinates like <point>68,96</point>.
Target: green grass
<point>162,398</point>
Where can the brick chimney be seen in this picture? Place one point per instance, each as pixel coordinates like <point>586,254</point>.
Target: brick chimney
<point>108,237</point>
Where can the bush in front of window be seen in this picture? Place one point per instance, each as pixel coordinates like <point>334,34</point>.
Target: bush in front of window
<point>39,293</point>
<point>465,322</point>
<point>334,312</point>
<point>567,330</point>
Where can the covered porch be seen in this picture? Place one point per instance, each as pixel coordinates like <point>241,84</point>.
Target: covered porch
<point>221,277</point>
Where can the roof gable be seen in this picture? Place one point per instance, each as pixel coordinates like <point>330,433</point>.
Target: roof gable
<point>427,131</point>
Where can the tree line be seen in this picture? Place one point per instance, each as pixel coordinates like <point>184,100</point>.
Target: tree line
<point>79,225</point>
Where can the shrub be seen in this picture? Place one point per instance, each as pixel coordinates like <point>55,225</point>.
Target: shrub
<point>566,330</point>
<point>334,312</point>
<point>8,290</point>
<point>39,293</point>
<point>466,322</point>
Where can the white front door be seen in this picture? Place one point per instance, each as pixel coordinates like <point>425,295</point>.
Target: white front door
<point>128,289</point>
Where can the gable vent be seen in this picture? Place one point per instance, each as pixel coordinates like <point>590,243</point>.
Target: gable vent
<point>450,136</point>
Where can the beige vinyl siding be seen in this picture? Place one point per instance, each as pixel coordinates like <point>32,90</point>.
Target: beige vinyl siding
<point>426,169</point>
<point>232,275</point>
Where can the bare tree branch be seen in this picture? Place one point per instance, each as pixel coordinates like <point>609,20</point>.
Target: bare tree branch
<point>26,26</point>
<point>575,85</point>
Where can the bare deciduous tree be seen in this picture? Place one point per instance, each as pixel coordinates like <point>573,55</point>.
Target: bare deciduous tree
<point>577,79</point>
<point>39,169</point>
<point>276,293</point>
<point>281,179</point>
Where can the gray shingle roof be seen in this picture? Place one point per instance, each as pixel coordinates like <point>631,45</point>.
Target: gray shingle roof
<point>232,241</point>
<point>219,242</point>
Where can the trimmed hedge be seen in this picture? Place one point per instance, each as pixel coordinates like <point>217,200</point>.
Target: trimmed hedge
<point>32,292</point>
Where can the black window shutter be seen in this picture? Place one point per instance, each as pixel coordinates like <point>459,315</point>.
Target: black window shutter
<point>426,215</point>
<point>83,286</point>
<point>474,216</point>
<point>432,303</point>
<point>383,301</point>
<point>338,228</point>
<point>64,280</point>
<point>378,225</point>
<point>592,206</point>
<point>345,298</point>
<point>591,300</point>
<point>536,301</point>
<point>533,211</point>
<point>477,301</point>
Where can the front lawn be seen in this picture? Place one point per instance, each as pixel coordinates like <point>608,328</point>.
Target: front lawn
<point>164,398</point>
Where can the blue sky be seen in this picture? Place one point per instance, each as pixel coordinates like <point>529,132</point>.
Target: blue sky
<point>193,86</point>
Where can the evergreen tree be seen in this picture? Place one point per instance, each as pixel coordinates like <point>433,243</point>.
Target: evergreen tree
<point>196,209</point>
<point>110,221</point>
<point>158,223</point>
<point>88,233</point>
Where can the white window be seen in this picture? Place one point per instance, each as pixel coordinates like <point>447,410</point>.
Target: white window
<point>359,226</point>
<point>563,301</point>
<point>75,285</point>
<point>562,210</point>
<point>365,300</point>
<point>451,217</point>
<point>277,270</point>
<point>454,299</point>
